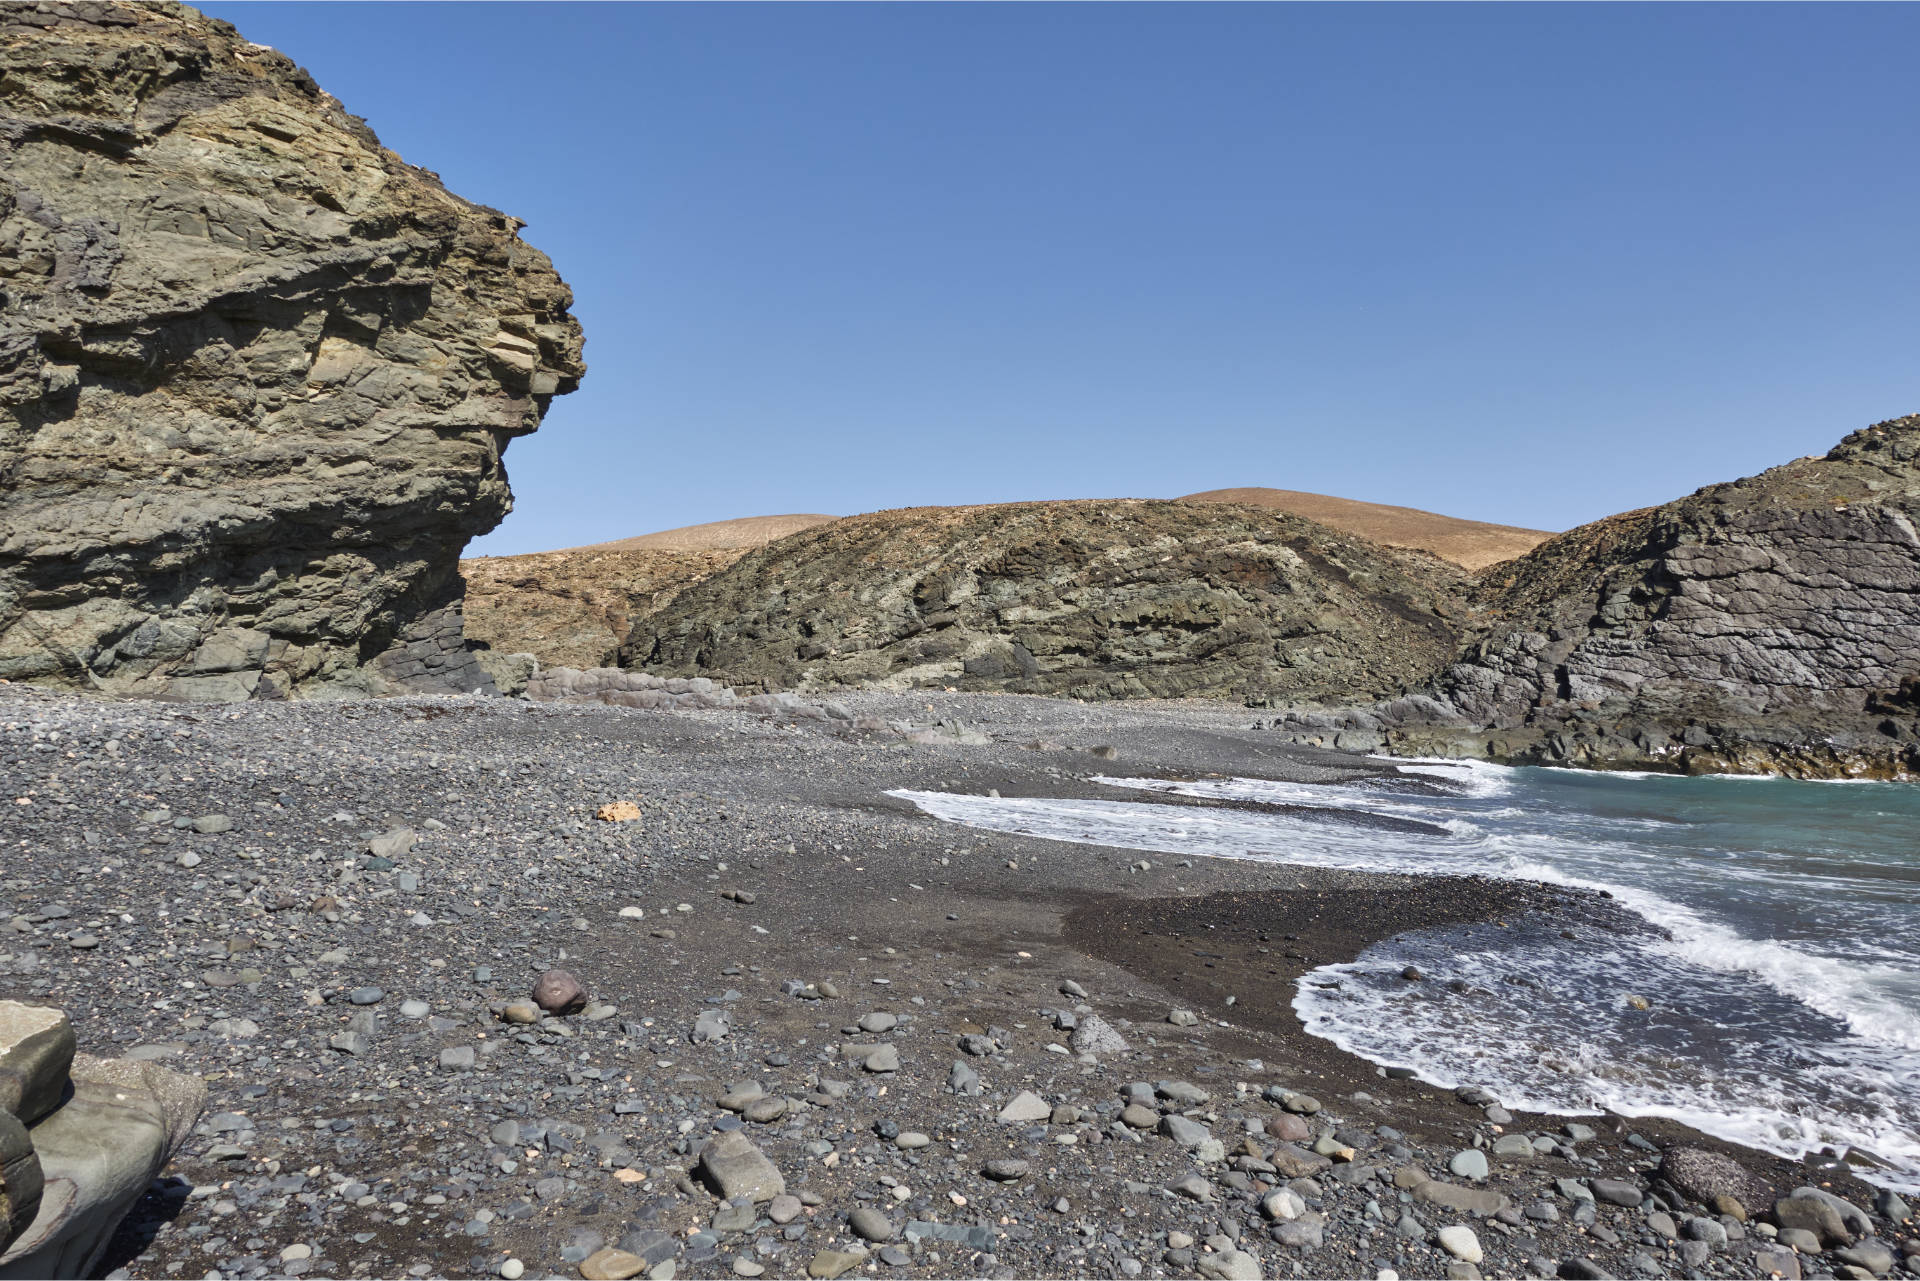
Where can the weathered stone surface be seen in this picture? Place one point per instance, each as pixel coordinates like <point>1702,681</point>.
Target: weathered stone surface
<point>733,1167</point>
<point>1115,599</point>
<point>1705,1175</point>
<point>36,1049</point>
<point>98,1152</point>
<point>1770,624</point>
<point>21,1179</point>
<point>256,372</point>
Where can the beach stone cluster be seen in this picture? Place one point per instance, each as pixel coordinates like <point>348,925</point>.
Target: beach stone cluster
<point>453,1024</point>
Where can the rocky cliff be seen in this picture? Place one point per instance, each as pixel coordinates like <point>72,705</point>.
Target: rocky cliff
<point>1771,624</point>
<point>256,372</point>
<point>1121,599</point>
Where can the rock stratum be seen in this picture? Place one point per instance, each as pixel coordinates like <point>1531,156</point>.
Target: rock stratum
<point>256,372</point>
<point>1097,599</point>
<point>1770,624</point>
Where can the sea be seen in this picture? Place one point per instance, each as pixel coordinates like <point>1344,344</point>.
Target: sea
<point>1770,929</point>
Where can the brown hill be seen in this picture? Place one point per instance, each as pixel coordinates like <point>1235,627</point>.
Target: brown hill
<point>719,535</point>
<point>1471,544</point>
<point>1101,599</point>
<point>572,608</point>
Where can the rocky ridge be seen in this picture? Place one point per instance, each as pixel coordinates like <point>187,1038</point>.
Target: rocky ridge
<point>1766,625</point>
<point>1117,599</point>
<point>256,372</point>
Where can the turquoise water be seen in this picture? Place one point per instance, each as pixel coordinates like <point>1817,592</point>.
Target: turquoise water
<point>1770,927</point>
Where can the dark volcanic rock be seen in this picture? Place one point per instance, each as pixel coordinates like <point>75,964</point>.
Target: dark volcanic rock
<point>1705,1175</point>
<point>256,372</point>
<point>1770,624</point>
<point>1090,599</point>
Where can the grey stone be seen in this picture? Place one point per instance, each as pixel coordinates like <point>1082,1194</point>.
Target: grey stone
<point>1188,1134</point>
<point>1470,1164</point>
<point>36,1049</point>
<point>870,1225</point>
<point>1026,1107</point>
<point>1811,1214</point>
<point>1095,1035</point>
<point>1617,1192</point>
<point>734,1167</point>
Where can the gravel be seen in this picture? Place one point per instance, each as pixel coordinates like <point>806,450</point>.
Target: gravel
<point>883,990</point>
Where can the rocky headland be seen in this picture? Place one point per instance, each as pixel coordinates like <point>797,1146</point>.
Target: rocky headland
<point>1766,625</point>
<point>257,373</point>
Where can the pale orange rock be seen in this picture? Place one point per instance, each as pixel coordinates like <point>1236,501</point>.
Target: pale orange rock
<point>618,812</point>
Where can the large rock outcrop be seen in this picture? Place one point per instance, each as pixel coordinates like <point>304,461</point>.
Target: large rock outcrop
<point>81,1140</point>
<point>1120,599</point>
<point>1767,624</point>
<point>256,372</point>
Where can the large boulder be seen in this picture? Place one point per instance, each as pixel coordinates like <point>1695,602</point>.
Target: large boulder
<point>96,1133</point>
<point>256,372</point>
<point>1105,599</point>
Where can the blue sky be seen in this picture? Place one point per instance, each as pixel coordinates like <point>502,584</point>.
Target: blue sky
<point>1523,263</point>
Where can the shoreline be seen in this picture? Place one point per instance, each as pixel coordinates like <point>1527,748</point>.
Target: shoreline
<point>973,932</point>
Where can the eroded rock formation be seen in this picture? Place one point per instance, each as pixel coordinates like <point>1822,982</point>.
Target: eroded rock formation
<point>1767,624</point>
<point>256,372</point>
<point>81,1140</point>
<point>1119,599</point>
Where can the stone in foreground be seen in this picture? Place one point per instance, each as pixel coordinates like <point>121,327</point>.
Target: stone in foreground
<point>98,1152</point>
<point>734,1167</point>
<point>36,1049</point>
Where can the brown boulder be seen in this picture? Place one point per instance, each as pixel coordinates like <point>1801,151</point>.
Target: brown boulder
<point>558,992</point>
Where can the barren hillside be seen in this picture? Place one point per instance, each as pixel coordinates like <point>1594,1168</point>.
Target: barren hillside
<point>1113,599</point>
<point>1473,545</point>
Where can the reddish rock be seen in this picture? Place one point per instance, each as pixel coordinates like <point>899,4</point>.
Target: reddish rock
<point>558,992</point>
<point>1288,1128</point>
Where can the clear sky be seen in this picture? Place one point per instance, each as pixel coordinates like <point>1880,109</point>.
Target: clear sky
<point>1522,263</point>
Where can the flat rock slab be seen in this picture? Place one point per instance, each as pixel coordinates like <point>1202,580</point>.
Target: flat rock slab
<point>1481,1201</point>
<point>831,1263</point>
<point>99,1151</point>
<point>1026,1106</point>
<point>733,1167</point>
<point>36,1049</point>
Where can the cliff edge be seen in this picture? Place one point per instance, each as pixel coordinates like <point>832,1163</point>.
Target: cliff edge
<point>1769,624</point>
<point>256,372</point>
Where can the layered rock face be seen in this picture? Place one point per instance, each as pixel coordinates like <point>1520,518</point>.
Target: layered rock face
<point>81,1140</point>
<point>1772,623</point>
<point>1121,599</point>
<point>256,373</point>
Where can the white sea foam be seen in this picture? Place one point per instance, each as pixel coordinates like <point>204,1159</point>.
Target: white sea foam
<point>1734,908</point>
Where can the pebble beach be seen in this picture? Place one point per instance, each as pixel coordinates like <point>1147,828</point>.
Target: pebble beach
<point>765,1019</point>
